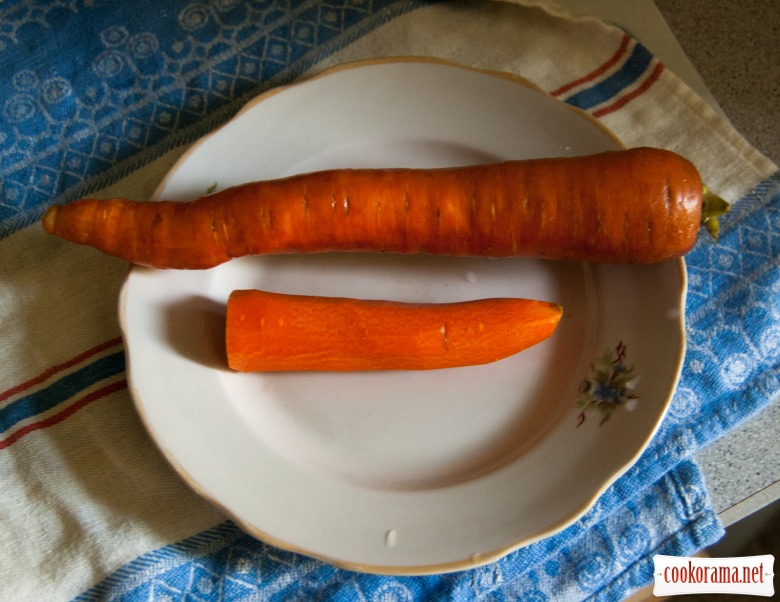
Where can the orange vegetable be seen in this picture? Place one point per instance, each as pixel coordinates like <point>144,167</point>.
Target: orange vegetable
<point>274,332</point>
<point>636,206</point>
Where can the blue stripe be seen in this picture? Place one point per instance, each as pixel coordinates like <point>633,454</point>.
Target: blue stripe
<point>61,390</point>
<point>632,70</point>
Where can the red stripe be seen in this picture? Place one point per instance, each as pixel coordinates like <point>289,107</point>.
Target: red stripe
<point>69,411</point>
<point>58,368</point>
<point>624,100</point>
<point>602,69</point>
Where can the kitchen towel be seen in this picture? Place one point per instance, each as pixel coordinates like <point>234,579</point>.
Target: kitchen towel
<point>102,98</point>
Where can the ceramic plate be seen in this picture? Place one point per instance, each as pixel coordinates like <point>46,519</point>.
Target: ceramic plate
<point>403,472</point>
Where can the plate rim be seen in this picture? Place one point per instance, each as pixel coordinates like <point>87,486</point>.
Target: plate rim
<point>370,62</point>
<point>475,560</point>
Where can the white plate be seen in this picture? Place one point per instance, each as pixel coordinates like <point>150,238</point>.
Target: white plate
<point>399,472</point>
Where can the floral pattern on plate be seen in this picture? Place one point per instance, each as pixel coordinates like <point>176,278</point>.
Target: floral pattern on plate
<point>610,385</point>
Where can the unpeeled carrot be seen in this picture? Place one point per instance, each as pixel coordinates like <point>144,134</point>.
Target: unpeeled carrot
<point>280,332</point>
<point>641,205</point>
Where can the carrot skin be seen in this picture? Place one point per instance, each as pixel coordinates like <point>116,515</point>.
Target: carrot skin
<point>280,332</point>
<point>640,206</point>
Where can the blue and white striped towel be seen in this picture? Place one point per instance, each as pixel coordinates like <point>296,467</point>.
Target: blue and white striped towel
<point>102,97</point>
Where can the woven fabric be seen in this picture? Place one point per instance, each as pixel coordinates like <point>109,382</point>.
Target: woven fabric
<point>103,97</point>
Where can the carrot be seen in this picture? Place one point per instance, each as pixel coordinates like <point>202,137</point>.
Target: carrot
<point>279,332</point>
<point>641,205</point>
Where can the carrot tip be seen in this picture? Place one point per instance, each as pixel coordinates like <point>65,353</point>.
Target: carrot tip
<point>49,219</point>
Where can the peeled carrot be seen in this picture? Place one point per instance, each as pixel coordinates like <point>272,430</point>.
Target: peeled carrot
<point>279,332</point>
<point>641,205</point>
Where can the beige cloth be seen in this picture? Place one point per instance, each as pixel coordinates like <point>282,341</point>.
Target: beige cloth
<point>83,497</point>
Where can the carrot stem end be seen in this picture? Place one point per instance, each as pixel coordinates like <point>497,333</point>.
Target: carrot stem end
<point>713,207</point>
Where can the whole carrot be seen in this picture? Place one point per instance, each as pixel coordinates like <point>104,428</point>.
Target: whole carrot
<point>641,205</point>
<point>279,332</point>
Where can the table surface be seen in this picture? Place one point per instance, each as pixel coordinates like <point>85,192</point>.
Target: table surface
<point>731,60</point>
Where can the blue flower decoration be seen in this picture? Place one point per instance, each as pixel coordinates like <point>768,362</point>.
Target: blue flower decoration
<point>611,384</point>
